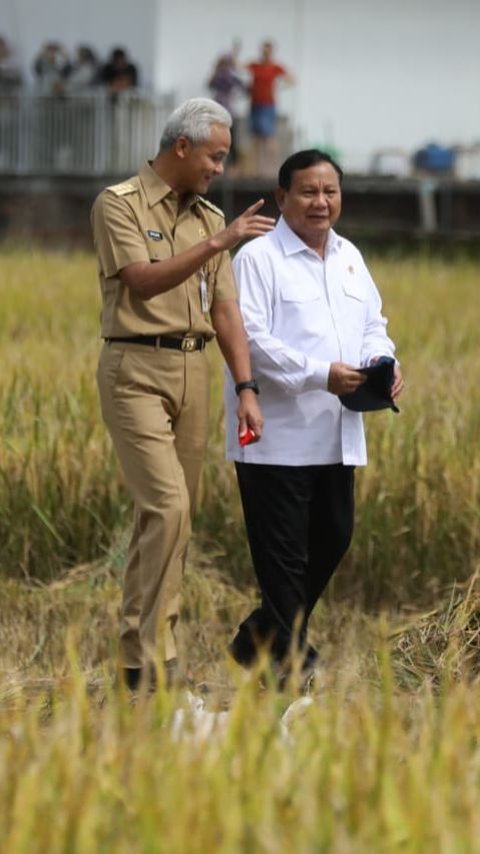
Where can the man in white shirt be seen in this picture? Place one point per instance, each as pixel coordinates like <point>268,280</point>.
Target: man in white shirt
<point>313,317</point>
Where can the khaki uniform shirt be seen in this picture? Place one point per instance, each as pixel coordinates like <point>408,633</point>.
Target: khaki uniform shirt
<point>138,220</point>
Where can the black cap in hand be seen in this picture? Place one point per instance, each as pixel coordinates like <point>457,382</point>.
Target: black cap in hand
<point>375,392</point>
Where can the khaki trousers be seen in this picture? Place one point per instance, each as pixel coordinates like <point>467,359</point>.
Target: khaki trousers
<point>155,405</point>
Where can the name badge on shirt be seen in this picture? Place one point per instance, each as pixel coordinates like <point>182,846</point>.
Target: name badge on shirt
<point>155,235</point>
<point>204,295</point>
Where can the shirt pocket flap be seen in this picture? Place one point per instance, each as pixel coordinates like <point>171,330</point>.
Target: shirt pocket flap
<point>161,254</point>
<point>299,292</point>
<point>158,247</point>
<point>352,288</point>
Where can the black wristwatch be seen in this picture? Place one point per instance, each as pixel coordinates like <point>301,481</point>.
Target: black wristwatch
<point>252,384</point>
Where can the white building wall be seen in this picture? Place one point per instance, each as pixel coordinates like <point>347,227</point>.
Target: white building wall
<point>370,74</point>
<point>391,74</point>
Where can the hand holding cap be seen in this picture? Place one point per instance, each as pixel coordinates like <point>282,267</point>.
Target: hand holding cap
<point>375,393</point>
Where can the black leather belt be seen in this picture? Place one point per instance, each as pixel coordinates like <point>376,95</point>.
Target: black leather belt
<point>188,344</point>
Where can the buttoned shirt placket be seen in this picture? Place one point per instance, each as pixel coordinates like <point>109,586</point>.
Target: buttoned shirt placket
<point>331,296</point>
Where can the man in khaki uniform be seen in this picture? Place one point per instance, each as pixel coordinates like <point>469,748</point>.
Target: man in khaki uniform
<point>167,289</point>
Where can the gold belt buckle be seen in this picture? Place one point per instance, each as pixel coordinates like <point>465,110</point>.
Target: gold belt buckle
<point>189,345</point>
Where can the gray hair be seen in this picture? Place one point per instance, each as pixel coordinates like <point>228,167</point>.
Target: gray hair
<point>194,119</point>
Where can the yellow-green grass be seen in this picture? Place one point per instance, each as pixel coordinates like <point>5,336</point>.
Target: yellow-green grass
<point>61,495</point>
<point>386,757</point>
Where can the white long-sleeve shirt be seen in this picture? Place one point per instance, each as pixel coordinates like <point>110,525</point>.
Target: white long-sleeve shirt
<point>301,313</point>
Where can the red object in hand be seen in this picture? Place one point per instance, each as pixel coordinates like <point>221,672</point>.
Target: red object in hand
<point>248,437</point>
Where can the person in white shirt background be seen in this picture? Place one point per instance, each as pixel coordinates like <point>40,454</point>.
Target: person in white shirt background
<point>313,317</point>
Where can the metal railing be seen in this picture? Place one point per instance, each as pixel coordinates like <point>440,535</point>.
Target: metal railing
<point>88,134</point>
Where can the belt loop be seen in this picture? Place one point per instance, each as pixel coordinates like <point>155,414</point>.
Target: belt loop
<point>158,339</point>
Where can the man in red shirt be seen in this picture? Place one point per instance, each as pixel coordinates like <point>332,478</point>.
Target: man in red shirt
<point>263,115</point>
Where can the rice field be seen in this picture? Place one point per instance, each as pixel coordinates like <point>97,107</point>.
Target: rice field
<point>61,496</point>
<point>384,756</point>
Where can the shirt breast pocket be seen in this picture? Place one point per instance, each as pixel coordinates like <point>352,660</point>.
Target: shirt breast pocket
<point>158,249</point>
<point>355,303</point>
<point>295,292</point>
<point>302,307</point>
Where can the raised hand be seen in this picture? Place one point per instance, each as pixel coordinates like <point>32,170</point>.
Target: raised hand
<point>248,224</point>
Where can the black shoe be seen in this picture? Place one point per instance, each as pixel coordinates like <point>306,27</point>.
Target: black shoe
<point>132,677</point>
<point>136,676</point>
<point>311,658</point>
<point>243,649</point>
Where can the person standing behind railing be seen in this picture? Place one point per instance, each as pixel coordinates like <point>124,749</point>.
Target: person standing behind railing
<point>81,110</point>
<point>10,83</point>
<point>10,74</point>
<point>52,148</point>
<point>84,73</point>
<point>263,113</point>
<point>51,68</point>
<point>119,74</point>
<point>119,78</point>
<point>224,84</point>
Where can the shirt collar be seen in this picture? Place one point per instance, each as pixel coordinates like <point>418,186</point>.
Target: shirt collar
<point>156,189</point>
<point>291,243</point>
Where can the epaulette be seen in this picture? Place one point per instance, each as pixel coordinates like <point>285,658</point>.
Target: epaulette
<point>123,189</point>
<point>211,206</point>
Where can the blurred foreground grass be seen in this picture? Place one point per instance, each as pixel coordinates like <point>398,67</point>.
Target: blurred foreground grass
<point>385,757</point>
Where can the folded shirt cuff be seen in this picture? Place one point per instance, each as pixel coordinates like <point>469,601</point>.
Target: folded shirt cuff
<point>318,375</point>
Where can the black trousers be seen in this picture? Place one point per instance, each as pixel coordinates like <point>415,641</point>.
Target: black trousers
<point>299,522</point>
